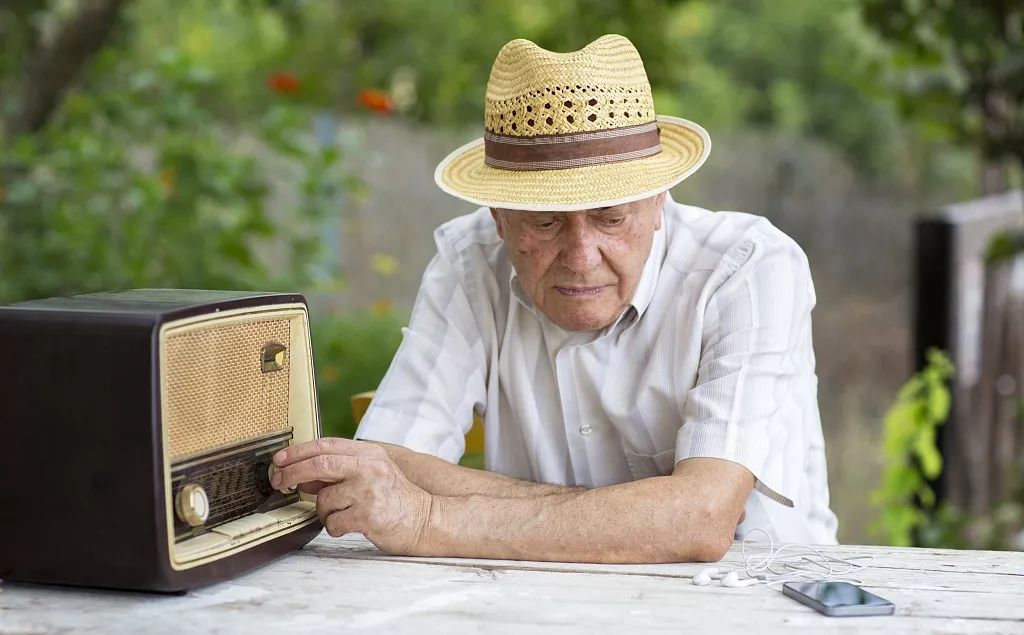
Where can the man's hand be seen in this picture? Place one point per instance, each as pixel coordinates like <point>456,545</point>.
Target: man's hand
<point>359,489</point>
<point>689,516</point>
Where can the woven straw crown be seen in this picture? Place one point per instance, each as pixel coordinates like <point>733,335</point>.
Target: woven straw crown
<point>533,91</point>
<point>571,131</point>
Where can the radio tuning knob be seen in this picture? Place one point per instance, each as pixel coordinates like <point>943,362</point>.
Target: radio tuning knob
<point>192,505</point>
<point>270,479</point>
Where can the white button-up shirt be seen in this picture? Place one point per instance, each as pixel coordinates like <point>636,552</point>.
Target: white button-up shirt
<point>713,358</point>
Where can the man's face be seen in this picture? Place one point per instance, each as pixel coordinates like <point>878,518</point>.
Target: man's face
<point>581,268</point>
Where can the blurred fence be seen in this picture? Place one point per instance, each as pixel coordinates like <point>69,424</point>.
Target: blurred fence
<point>970,302</point>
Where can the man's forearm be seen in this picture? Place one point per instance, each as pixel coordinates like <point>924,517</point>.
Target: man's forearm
<point>441,478</point>
<point>661,519</point>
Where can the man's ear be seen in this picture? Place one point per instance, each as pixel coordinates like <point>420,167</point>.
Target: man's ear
<point>497,223</point>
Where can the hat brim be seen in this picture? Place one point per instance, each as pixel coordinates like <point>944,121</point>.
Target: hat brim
<point>684,148</point>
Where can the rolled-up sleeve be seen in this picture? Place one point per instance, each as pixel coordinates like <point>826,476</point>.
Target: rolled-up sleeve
<point>751,403</point>
<point>426,400</point>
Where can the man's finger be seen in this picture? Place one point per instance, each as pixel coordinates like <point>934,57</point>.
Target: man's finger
<point>329,468</point>
<point>313,487</point>
<point>323,445</point>
<point>333,498</point>
<point>340,523</point>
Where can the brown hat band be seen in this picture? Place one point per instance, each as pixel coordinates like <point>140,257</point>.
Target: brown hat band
<point>553,152</point>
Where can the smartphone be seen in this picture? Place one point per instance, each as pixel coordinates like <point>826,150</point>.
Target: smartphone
<point>838,599</point>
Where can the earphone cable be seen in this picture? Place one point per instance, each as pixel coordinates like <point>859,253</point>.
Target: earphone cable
<point>771,568</point>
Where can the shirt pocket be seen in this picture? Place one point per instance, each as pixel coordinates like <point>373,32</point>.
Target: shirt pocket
<point>648,465</point>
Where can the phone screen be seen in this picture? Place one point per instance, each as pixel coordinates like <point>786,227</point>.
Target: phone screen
<point>837,594</point>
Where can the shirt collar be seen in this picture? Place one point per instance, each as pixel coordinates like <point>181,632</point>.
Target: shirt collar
<point>517,289</point>
<point>649,278</point>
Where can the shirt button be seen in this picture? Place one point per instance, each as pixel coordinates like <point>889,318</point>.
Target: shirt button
<point>586,429</point>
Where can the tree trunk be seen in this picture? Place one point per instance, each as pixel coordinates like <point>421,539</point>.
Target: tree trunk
<point>53,70</point>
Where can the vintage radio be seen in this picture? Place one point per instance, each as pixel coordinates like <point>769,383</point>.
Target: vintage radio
<point>139,428</point>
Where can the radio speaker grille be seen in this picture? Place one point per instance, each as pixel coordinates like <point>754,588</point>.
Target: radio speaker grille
<point>217,393</point>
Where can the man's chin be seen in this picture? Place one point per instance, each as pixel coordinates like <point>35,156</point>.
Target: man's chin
<point>585,322</point>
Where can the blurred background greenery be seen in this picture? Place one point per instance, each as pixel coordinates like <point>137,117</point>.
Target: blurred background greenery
<point>288,144</point>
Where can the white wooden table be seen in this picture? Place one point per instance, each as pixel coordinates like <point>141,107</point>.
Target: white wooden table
<point>347,585</point>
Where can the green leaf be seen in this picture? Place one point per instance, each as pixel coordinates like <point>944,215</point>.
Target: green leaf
<point>927,496</point>
<point>938,403</point>
<point>927,453</point>
<point>1004,246</point>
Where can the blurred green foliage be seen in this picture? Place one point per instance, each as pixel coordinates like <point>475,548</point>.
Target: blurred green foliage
<point>956,71</point>
<point>957,68</point>
<point>811,69</point>
<point>910,516</point>
<point>137,183</point>
<point>1004,246</point>
<point>185,154</point>
<point>911,455</point>
<point>1000,529</point>
<point>353,351</point>
<point>147,176</point>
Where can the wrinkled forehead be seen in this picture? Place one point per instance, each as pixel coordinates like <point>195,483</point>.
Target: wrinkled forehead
<point>622,208</point>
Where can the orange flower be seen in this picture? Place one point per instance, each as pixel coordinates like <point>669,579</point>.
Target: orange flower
<point>168,178</point>
<point>375,100</point>
<point>284,83</point>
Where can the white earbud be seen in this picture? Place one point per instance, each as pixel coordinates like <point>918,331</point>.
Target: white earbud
<point>772,568</point>
<point>732,579</point>
<point>704,577</point>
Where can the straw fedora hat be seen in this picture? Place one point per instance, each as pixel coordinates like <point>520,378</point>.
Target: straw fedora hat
<point>571,131</point>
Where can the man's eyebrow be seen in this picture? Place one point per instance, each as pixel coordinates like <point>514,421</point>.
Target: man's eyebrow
<point>614,209</point>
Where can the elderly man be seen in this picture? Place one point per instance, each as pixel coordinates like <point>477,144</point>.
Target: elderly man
<point>644,368</point>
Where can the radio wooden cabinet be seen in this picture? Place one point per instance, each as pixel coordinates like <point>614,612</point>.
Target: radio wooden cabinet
<point>139,429</point>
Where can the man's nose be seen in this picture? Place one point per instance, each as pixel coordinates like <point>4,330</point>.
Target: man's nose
<point>581,249</point>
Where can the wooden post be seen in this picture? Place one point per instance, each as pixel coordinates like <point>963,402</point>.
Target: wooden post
<point>972,312</point>
<point>998,390</point>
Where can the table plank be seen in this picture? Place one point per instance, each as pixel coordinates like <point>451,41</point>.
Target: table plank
<point>347,585</point>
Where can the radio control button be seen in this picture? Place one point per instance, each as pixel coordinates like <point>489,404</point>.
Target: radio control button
<point>270,478</point>
<point>192,505</point>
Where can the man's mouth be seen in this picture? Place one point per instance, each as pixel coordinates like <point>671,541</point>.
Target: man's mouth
<point>579,292</point>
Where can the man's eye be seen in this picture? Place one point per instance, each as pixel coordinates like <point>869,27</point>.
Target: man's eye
<point>612,222</point>
<point>544,224</point>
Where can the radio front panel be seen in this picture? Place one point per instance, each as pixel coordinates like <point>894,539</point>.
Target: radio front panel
<point>236,387</point>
